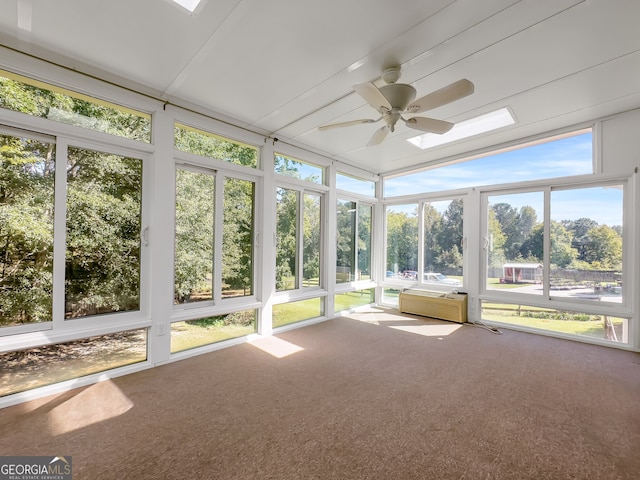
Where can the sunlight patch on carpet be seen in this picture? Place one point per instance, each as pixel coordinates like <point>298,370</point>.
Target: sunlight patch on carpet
<point>428,330</point>
<point>97,403</point>
<point>276,346</point>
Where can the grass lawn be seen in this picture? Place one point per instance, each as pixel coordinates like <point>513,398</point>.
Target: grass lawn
<point>185,336</point>
<point>589,328</point>
<point>286,313</point>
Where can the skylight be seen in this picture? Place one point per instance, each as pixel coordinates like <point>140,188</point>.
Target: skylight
<point>190,5</point>
<point>467,128</point>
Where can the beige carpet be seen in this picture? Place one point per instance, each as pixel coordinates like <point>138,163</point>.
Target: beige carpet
<point>370,396</point>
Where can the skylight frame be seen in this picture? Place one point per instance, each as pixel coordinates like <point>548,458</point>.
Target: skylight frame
<point>487,122</point>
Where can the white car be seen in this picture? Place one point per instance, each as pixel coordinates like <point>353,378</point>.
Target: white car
<point>440,279</point>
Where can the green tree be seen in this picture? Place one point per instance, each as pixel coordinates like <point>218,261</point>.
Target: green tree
<point>286,245</point>
<point>26,230</point>
<point>527,220</point>
<point>580,230</point>
<point>507,216</point>
<point>451,236</point>
<point>237,237</point>
<point>194,215</point>
<point>562,253</point>
<point>604,250</point>
<point>496,241</point>
<point>311,241</point>
<point>402,240</point>
<point>364,239</point>
<point>104,200</point>
<point>433,237</point>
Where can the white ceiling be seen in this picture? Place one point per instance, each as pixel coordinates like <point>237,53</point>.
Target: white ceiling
<point>285,67</point>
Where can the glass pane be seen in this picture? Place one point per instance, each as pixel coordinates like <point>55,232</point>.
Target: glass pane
<point>312,241</point>
<point>286,313</point>
<point>237,241</point>
<point>286,233</point>
<point>364,242</point>
<point>40,366</point>
<point>104,201</point>
<point>298,169</point>
<point>193,268</point>
<point>346,242</point>
<point>402,243</point>
<point>390,296</point>
<point>515,243</point>
<point>557,157</point>
<point>586,251</point>
<point>349,300</point>
<point>26,230</point>
<point>355,185</point>
<point>22,94</point>
<point>443,254</point>
<point>199,142</point>
<point>573,323</point>
<point>208,330</point>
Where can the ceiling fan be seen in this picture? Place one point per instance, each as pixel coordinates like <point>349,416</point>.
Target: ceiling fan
<point>393,100</point>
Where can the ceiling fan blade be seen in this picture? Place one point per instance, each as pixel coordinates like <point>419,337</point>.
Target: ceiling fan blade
<point>430,125</point>
<point>378,136</point>
<point>348,124</point>
<point>448,94</point>
<point>373,96</point>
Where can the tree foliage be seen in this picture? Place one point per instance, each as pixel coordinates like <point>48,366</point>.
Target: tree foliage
<point>26,230</point>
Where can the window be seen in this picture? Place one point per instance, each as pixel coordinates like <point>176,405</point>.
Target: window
<point>287,239</point>
<point>198,142</point>
<point>351,184</point>
<point>434,258</point>
<point>365,216</point>
<point>27,171</point>
<point>584,250</point>
<point>349,300</point>
<point>586,243</point>
<point>353,245</point>
<point>515,242</point>
<point>201,262</point>
<point>45,365</point>
<point>312,241</point>
<point>572,256</point>
<point>292,312</point>
<point>22,94</point>
<point>346,243</point>
<point>71,237</point>
<point>298,232</point>
<point>561,156</point>
<point>292,167</point>
<point>402,242</point>
<point>104,209</point>
<point>237,238</point>
<point>207,330</point>
<point>193,254</point>
<point>443,252</point>
<point>596,326</point>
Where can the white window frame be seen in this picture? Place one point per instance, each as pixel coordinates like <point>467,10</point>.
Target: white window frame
<point>546,300</point>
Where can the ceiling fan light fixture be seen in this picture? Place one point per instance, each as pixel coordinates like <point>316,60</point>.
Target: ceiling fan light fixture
<point>467,128</point>
<point>400,95</point>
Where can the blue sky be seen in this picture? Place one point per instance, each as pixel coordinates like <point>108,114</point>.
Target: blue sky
<point>560,158</point>
<point>564,157</point>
